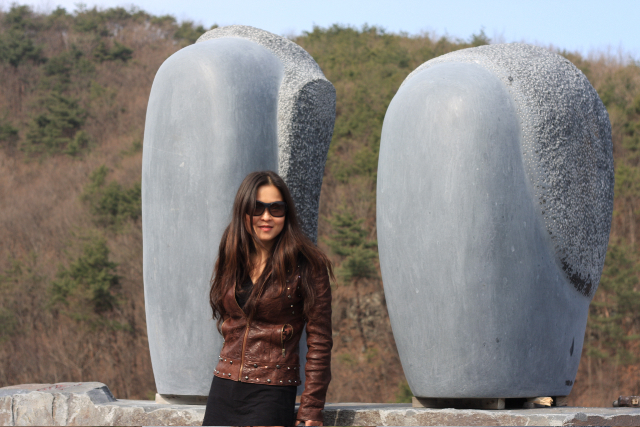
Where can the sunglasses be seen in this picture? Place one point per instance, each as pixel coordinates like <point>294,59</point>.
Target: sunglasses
<point>276,209</point>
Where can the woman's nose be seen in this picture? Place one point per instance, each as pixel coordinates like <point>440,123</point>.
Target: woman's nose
<point>266,215</point>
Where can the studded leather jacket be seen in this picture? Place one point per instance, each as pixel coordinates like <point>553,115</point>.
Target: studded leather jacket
<point>264,349</point>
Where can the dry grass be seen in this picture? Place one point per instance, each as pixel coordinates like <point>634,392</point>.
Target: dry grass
<point>42,222</point>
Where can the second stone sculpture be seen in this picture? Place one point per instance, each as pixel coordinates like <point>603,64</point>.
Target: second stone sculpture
<point>494,203</point>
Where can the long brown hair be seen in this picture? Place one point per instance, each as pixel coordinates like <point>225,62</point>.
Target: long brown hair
<point>290,250</point>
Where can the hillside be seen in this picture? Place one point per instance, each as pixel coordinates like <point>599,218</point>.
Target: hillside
<point>72,108</point>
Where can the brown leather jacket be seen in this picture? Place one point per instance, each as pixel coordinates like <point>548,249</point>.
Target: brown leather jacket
<point>265,350</point>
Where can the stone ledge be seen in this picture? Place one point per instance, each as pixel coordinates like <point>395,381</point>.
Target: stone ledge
<point>93,404</point>
<point>401,414</point>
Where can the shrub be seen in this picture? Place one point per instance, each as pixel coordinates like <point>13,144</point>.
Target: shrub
<point>55,130</point>
<point>20,17</point>
<point>349,241</point>
<point>8,135</point>
<point>189,32</point>
<point>67,64</point>
<point>90,21</point>
<point>117,52</point>
<point>111,204</point>
<point>88,282</point>
<point>613,312</point>
<point>80,142</point>
<point>16,47</point>
<point>479,39</point>
<point>164,20</point>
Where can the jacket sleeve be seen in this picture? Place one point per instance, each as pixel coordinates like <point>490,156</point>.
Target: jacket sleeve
<point>319,343</point>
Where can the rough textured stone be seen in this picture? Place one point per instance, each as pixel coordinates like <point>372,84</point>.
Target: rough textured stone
<point>6,411</point>
<point>566,149</point>
<point>33,408</point>
<point>47,404</point>
<point>54,408</point>
<point>372,414</point>
<point>86,404</point>
<point>237,101</point>
<point>132,413</point>
<point>494,204</point>
<point>97,392</point>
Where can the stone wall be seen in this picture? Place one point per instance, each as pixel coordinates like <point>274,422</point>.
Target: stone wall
<point>93,404</point>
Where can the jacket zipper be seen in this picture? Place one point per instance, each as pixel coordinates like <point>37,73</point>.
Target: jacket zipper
<point>244,342</point>
<point>282,340</point>
<point>282,337</point>
<point>246,332</point>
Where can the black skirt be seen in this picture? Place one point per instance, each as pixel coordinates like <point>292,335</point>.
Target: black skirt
<point>234,403</point>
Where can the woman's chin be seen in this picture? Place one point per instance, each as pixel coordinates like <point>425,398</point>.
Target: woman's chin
<point>266,239</point>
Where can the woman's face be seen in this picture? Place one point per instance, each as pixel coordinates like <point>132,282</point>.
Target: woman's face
<point>266,226</point>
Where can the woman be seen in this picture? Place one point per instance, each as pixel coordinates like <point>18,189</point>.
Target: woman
<point>268,282</point>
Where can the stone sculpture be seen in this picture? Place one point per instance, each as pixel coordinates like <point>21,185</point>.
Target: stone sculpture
<point>494,204</point>
<point>239,100</point>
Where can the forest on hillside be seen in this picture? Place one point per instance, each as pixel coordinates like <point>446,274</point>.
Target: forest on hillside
<point>73,95</point>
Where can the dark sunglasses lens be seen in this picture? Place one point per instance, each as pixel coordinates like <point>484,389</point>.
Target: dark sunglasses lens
<point>259,209</point>
<point>277,209</point>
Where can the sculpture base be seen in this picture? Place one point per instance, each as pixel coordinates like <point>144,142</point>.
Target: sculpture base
<point>176,399</point>
<point>441,403</point>
<point>490,403</point>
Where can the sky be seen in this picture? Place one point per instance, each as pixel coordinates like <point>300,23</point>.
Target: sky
<point>586,26</point>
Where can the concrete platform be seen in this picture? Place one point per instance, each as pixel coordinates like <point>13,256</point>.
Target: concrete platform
<point>93,404</point>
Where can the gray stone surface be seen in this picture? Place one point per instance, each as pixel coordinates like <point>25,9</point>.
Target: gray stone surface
<point>239,100</point>
<point>494,201</point>
<point>306,114</point>
<point>97,392</point>
<point>55,408</point>
<point>376,414</point>
<point>33,408</point>
<point>566,149</point>
<point>48,404</point>
<point>6,410</point>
